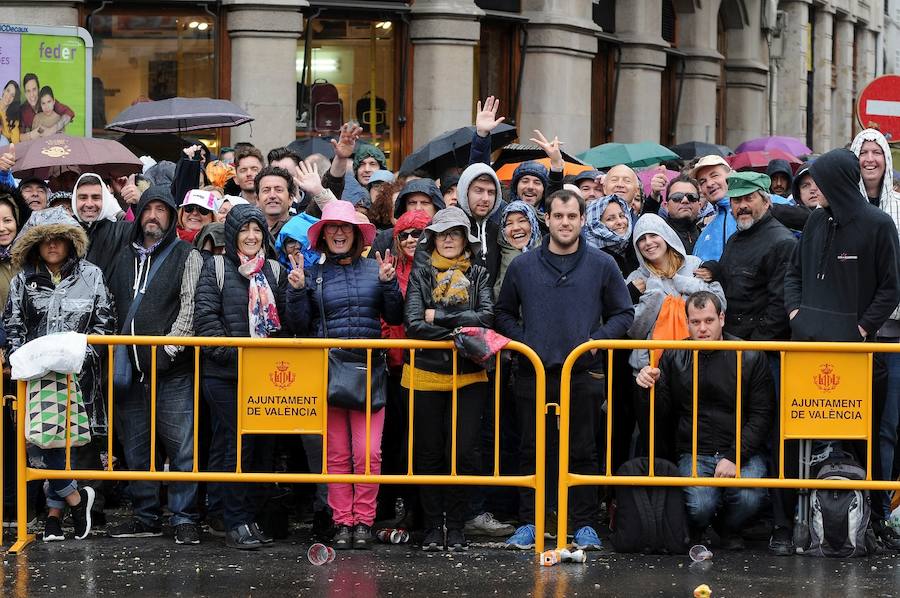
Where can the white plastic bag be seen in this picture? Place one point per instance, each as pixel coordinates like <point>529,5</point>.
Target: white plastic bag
<point>63,352</point>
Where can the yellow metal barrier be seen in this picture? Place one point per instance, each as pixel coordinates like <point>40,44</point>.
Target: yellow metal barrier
<point>252,352</point>
<point>856,357</point>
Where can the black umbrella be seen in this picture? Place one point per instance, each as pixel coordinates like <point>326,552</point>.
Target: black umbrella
<point>451,150</point>
<point>691,149</point>
<point>312,145</point>
<point>179,114</point>
<point>163,146</point>
<point>522,152</point>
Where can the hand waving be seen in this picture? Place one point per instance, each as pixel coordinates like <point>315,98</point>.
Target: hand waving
<point>296,277</point>
<point>551,148</point>
<point>346,143</point>
<point>386,270</point>
<point>486,117</point>
<point>308,179</point>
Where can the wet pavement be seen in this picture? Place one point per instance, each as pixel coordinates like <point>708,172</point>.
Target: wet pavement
<point>103,566</point>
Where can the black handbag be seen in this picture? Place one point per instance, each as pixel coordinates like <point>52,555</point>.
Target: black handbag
<point>347,372</point>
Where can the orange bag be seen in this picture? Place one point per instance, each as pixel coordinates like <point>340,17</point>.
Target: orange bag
<point>671,323</point>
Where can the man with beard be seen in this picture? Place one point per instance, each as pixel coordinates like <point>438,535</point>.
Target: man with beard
<point>753,263</point>
<point>535,307</point>
<point>147,285</point>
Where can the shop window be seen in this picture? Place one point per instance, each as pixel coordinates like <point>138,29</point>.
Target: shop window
<point>349,76</point>
<point>142,56</point>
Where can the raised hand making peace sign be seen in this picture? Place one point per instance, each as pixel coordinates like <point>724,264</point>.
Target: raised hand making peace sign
<point>386,270</point>
<point>296,278</point>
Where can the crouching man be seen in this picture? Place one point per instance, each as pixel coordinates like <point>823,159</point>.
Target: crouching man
<point>727,509</point>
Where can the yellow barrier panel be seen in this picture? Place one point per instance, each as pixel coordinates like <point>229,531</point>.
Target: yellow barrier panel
<point>281,390</point>
<point>826,393</point>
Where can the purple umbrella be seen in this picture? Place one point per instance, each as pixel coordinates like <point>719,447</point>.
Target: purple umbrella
<point>646,175</point>
<point>791,145</point>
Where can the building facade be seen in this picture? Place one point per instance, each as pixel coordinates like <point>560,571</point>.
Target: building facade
<point>589,71</point>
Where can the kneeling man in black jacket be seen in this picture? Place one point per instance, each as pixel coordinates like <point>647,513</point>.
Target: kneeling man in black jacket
<point>716,420</point>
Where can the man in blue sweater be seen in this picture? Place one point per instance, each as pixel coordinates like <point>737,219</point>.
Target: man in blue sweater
<point>553,299</point>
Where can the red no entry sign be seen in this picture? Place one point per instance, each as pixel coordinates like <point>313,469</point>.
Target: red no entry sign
<point>878,106</point>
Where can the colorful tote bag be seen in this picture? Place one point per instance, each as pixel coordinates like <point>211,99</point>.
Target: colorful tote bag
<point>46,422</point>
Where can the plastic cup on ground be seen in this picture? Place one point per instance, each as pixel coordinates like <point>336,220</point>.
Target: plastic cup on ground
<point>699,553</point>
<point>319,554</point>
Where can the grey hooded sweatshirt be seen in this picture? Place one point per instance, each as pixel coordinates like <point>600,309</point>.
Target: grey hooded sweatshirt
<point>683,283</point>
<point>485,229</point>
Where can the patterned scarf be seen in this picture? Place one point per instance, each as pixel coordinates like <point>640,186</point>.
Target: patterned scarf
<point>6,253</point>
<point>451,285</point>
<point>261,310</point>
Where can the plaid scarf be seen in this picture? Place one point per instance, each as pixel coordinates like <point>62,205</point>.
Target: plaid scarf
<point>451,285</point>
<point>261,310</point>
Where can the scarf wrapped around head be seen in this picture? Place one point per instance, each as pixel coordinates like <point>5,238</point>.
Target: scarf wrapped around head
<point>597,234</point>
<point>262,311</point>
<point>451,285</point>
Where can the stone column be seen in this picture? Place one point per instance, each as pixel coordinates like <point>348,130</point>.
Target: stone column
<point>791,79</point>
<point>747,79</point>
<point>865,58</point>
<point>443,34</point>
<point>697,110</point>
<point>263,68</point>
<point>49,13</point>
<point>822,65</point>
<point>842,99</point>
<point>556,82</point>
<point>638,27</point>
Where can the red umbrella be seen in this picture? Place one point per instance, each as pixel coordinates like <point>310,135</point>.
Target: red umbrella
<point>43,158</point>
<point>759,160</point>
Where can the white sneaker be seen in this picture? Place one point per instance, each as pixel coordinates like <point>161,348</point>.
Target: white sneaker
<point>486,525</point>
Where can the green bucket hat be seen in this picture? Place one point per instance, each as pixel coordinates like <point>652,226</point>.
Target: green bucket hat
<point>745,183</point>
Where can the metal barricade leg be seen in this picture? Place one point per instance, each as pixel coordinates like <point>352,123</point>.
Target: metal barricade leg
<point>23,537</point>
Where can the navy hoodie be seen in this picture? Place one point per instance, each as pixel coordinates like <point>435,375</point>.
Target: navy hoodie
<point>553,311</point>
<point>844,271</point>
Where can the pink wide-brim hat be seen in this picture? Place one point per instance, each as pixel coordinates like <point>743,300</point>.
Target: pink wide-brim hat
<point>341,211</point>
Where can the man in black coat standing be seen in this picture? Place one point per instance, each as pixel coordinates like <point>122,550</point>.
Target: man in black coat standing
<point>147,285</point>
<point>843,284</point>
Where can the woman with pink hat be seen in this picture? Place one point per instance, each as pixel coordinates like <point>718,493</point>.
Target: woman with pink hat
<point>346,296</point>
<point>196,211</point>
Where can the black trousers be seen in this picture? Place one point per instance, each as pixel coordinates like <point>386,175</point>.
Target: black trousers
<point>432,421</point>
<point>587,395</point>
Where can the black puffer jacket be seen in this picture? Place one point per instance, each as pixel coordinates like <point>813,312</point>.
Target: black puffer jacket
<point>224,312</point>
<point>716,419</point>
<point>162,296</point>
<point>751,271</point>
<point>478,312</point>
<point>844,272</point>
<point>355,300</point>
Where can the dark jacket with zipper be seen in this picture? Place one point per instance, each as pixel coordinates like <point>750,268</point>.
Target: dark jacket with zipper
<point>716,402</point>
<point>162,295</point>
<point>479,311</point>
<point>751,271</point>
<point>224,312</point>
<point>844,271</point>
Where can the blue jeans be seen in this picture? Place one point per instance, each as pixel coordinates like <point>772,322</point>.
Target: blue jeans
<point>703,502</point>
<point>55,490</point>
<point>175,429</point>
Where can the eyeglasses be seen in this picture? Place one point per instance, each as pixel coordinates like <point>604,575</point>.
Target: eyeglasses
<point>191,208</point>
<point>454,233</point>
<point>680,197</point>
<point>414,233</point>
<point>333,227</point>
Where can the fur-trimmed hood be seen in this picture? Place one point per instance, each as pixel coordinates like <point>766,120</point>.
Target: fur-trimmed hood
<point>49,222</point>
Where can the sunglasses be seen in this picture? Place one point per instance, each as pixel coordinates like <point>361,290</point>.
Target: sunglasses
<point>415,234</point>
<point>680,197</point>
<point>191,208</point>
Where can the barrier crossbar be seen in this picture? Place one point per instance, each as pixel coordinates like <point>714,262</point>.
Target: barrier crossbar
<point>534,481</point>
<point>607,477</point>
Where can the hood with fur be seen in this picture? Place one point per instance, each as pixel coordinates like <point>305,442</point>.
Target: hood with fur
<point>45,223</point>
<point>108,210</point>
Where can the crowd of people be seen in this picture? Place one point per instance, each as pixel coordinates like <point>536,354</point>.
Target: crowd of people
<point>284,246</point>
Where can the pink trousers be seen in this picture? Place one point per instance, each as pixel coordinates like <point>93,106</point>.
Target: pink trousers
<point>353,503</point>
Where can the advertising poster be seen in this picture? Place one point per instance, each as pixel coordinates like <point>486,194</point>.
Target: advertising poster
<point>46,82</point>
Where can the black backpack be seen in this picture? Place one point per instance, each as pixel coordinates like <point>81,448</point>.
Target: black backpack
<point>839,519</point>
<point>649,519</point>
